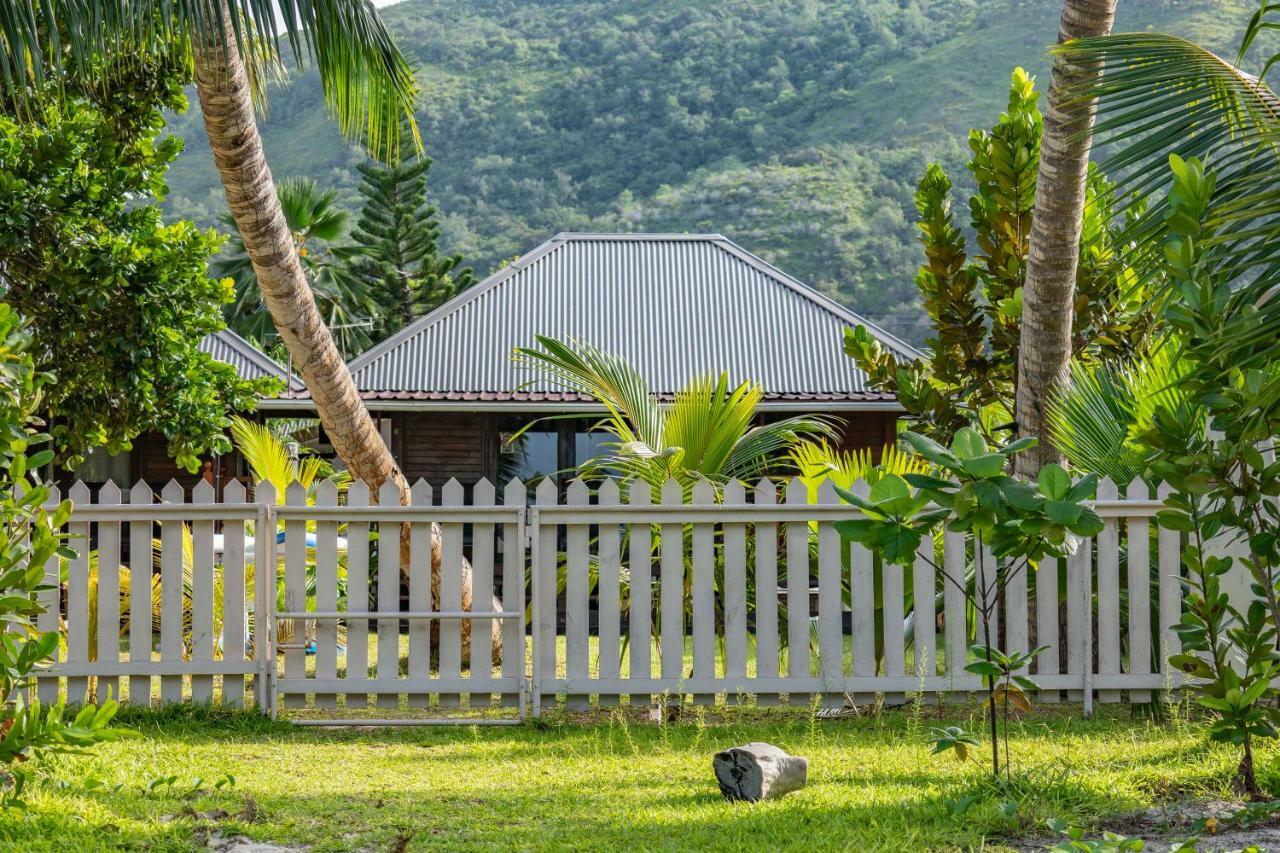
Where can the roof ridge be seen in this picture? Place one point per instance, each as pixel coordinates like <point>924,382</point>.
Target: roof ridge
<point>640,236</point>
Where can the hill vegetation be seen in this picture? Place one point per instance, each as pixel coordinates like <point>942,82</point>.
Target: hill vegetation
<point>798,128</point>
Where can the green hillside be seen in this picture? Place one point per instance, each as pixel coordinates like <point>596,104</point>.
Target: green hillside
<point>796,128</point>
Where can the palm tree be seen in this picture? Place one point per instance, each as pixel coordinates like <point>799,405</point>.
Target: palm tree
<point>1048,294</point>
<point>706,433</point>
<point>368,87</point>
<point>317,224</point>
<point>233,44</point>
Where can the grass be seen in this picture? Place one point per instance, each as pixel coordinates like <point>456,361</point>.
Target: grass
<point>602,782</point>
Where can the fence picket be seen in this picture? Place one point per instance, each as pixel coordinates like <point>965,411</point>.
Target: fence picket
<point>766,603</point>
<point>544,592</point>
<point>955,609</point>
<point>450,591</point>
<point>1047,614</point>
<point>78,596</point>
<point>1079,614</point>
<point>640,569</point>
<point>1169,547</point>
<point>671,588</point>
<point>893,609</point>
<point>479,660</point>
<point>862,600</point>
<point>703,594</point>
<point>295,591</point>
<point>1108,571</point>
<point>202,593</point>
<point>171,603</point>
<point>1016,624</point>
<point>798,584</point>
<point>924,609</point>
<point>389,556</point>
<point>357,593</point>
<point>608,590</point>
<point>233,604</point>
<point>266,577</point>
<point>50,620</point>
<point>735,592</point>
<point>1139,591</point>
<point>513,593</point>
<point>985,589</point>
<point>109,589</point>
<point>418,666</point>
<point>577,600</point>
<point>326,495</point>
<point>140,615</point>
<point>830,606</point>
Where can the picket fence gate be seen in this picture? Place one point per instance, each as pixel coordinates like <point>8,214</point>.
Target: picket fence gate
<point>740,592</point>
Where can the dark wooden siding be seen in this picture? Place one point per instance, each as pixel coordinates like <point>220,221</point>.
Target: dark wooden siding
<point>437,446</point>
<point>869,430</point>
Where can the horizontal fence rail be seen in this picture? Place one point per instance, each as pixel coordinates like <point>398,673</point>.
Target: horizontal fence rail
<point>321,602</point>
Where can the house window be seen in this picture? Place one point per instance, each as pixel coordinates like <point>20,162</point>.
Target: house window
<point>101,467</point>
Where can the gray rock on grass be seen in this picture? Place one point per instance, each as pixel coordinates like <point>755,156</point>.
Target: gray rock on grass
<point>759,771</point>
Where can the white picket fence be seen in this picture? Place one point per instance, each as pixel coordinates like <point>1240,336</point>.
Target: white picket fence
<point>741,593</point>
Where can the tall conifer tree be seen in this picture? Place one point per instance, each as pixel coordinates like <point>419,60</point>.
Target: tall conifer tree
<point>399,231</point>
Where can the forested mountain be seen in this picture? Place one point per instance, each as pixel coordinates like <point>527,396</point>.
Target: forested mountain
<point>796,127</point>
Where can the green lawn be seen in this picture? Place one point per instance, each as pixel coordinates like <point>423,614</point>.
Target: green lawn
<point>610,781</point>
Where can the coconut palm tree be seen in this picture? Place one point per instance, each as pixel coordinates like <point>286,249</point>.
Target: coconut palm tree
<point>1044,351</point>
<point>232,44</point>
<point>317,225</point>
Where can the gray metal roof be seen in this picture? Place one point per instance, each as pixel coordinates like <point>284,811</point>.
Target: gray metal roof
<point>249,361</point>
<point>675,306</point>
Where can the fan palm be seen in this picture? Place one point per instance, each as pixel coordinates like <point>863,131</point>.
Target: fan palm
<point>231,45</point>
<point>317,224</point>
<point>1162,95</point>
<point>706,433</point>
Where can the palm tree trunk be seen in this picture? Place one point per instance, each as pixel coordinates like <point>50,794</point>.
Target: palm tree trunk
<point>222,84</point>
<point>1048,294</point>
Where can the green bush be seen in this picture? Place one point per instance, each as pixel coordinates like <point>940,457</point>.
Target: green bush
<point>29,538</point>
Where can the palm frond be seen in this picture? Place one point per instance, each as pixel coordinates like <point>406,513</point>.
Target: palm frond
<point>1161,95</point>
<point>368,85</point>
<point>1097,415</point>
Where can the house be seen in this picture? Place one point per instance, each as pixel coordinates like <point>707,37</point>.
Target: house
<point>449,396</point>
<point>149,459</point>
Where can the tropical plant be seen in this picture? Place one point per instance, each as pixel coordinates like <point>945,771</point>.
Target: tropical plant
<point>968,375</point>
<point>1020,522</point>
<point>1097,416</point>
<point>1161,95</point>
<point>399,233</point>
<point>1057,221</point>
<point>317,224</point>
<point>1219,455</point>
<point>29,538</point>
<point>706,433</point>
<point>117,300</point>
<point>232,45</point>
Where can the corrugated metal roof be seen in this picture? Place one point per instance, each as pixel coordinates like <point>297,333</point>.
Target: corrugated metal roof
<point>249,361</point>
<point>675,306</point>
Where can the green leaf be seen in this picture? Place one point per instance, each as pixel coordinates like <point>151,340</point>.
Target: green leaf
<point>1062,512</point>
<point>1054,482</point>
<point>968,444</point>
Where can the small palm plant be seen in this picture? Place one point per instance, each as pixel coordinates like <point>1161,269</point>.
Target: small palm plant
<point>268,457</point>
<point>708,432</point>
